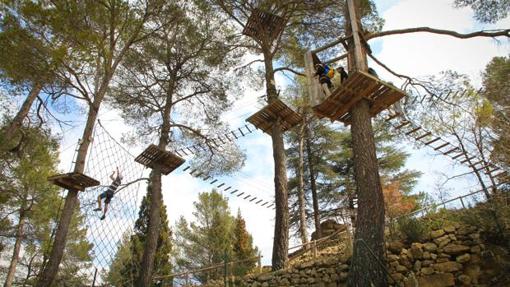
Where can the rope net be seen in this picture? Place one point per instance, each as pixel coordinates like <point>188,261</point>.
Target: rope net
<point>105,155</point>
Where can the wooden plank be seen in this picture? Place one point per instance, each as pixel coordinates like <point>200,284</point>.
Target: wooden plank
<point>423,136</point>
<point>441,146</point>
<point>73,181</point>
<point>432,140</point>
<point>403,124</point>
<point>412,131</point>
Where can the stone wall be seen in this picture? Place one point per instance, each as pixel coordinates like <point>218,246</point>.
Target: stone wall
<point>451,256</point>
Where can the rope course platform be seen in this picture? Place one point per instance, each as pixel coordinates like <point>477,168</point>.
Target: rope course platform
<point>262,24</point>
<point>359,85</point>
<point>276,110</point>
<point>73,181</point>
<point>153,157</point>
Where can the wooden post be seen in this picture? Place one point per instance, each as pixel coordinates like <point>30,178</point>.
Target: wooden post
<point>462,202</point>
<point>260,264</point>
<point>314,248</point>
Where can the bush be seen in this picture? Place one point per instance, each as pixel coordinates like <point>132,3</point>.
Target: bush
<point>413,230</point>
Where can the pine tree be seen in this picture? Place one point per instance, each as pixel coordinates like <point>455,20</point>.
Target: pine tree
<point>243,247</point>
<point>213,234</point>
<point>31,204</point>
<point>126,266</point>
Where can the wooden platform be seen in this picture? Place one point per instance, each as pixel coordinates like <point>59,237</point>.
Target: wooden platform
<point>73,181</point>
<point>265,118</point>
<point>263,24</point>
<point>359,85</point>
<point>154,157</point>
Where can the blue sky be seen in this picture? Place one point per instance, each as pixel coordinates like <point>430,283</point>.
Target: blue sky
<point>415,55</point>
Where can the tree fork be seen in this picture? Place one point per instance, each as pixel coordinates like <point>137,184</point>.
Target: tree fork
<point>365,270</point>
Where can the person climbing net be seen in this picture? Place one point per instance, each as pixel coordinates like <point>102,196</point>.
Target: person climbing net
<point>108,194</point>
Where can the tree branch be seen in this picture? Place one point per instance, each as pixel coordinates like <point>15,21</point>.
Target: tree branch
<point>281,69</point>
<point>493,34</point>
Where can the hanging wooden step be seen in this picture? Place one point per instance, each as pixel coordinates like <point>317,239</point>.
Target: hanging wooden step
<point>263,24</point>
<point>265,118</point>
<point>153,157</point>
<point>73,181</point>
<point>359,85</point>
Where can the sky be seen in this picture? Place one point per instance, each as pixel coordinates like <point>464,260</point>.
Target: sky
<point>415,55</point>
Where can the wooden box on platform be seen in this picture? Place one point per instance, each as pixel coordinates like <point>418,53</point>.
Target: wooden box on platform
<point>336,104</point>
<point>73,181</point>
<point>265,118</point>
<point>155,157</point>
<point>263,24</point>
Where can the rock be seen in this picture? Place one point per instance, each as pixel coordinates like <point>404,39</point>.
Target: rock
<point>442,260</point>
<point>449,266</point>
<point>476,249</point>
<point>392,257</point>
<point>433,256</point>
<point>429,246</point>
<point>473,271</point>
<point>449,229</point>
<point>437,233</point>
<point>463,258</point>
<point>465,280</point>
<point>395,247</point>
<point>455,249</point>
<point>427,271</point>
<point>417,266</point>
<point>401,269</point>
<point>426,255</point>
<point>427,263</point>
<point>437,280</point>
<point>417,251</point>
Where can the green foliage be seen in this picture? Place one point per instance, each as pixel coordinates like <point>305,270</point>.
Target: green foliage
<point>126,265</point>
<point>496,89</point>
<point>487,11</point>
<point>178,81</point>
<point>213,234</point>
<point>29,199</point>
<point>413,229</point>
<point>491,218</point>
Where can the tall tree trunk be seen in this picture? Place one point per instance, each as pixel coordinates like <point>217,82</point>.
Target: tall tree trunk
<point>50,270</point>
<point>17,247</point>
<point>367,263</point>
<point>281,227</point>
<point>313,185</point>
<point>151,243</point>
<point>301,186</point>
<point>23,112</point>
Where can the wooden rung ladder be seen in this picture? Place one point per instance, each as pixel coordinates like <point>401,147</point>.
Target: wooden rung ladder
<point>276,110</point>
<point>73,181</point>
<point>153,157</point>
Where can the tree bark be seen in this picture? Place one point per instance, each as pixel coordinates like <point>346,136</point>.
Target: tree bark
<point>15,253</point>
<point>281,227</point>
<point>368,261</point>
<point>301,186</point>
<point>50,270</point>
<point>23,112</point>
<point>313,186</point>
<point>151,244</point>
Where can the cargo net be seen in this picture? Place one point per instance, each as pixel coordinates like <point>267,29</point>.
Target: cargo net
<point>105,155</point>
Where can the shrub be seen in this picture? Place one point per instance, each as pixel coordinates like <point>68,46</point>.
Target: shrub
<point>414,230</point>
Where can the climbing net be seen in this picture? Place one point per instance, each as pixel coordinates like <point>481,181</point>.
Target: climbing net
<point>105,155</point>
